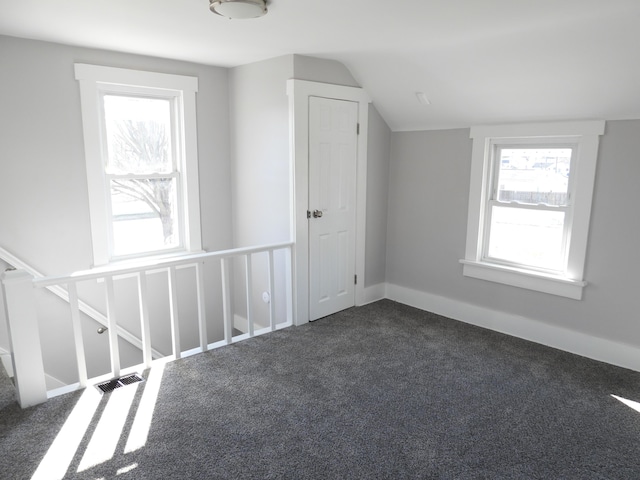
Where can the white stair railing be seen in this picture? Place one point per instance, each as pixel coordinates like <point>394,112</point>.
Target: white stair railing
<point>85,308</point>
<point>22,319</point>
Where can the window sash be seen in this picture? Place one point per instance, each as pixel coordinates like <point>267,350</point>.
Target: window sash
<point>178,209</point>
<point>175,161</point>
<point>564,244</point>
<point>176,107</point>
<point>493,194</point>
<point>496,163</point>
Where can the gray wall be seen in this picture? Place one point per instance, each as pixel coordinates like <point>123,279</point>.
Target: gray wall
<point>378,156</point>
<point>417,194</point>
<point>43,198</point>
<point>44,215</point>
<point>322,70</point>
<point>244,167</point>
<point>259,118</point>
<point>428,199</point>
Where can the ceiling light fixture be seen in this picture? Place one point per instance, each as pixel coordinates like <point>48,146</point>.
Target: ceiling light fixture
<point>238,9</point>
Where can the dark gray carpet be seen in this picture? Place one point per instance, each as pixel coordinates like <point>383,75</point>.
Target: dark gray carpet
<point>7,391</point>
<point>382,391</point>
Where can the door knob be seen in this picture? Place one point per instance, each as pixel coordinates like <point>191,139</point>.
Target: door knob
<point>317,213</point>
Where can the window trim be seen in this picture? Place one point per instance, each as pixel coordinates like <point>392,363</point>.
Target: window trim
<point>94,82</point>
<point>585,135</point>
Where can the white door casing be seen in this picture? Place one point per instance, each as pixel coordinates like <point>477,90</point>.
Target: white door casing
<point>332,205</point>
<point>299,92</point>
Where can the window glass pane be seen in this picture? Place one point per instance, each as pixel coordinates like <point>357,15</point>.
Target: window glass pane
<point>144,215</point>
<point>527,237</point>
<point>534,175</point>
<point>138,134</point>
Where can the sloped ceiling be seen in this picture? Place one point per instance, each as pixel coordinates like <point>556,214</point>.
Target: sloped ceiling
<point>477,61</point>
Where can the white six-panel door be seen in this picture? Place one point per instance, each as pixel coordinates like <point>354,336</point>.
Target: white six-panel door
<point>332,203</point>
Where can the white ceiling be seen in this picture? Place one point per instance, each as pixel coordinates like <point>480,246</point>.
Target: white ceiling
<point>478,61</point>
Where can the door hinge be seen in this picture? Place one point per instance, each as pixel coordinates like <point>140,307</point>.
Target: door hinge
<point>308,213</point>
<point>355,279</point>
<point>357,129</point>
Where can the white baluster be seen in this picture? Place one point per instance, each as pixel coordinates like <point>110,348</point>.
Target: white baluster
<point>202,313</point>
<point>173,310</point>
<point>77,333</point>
<point>112,323</point>
<point>290,284</point>
<point>272,304</point>
<point>249,276</point>
<point>226,301</point>
<point>145,327</point>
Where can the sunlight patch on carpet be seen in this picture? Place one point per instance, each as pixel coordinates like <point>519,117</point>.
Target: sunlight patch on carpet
<point>628,403</point>
<point>107,434</point>
<point>126,469</point>
<point>144,415</point>
<point>56,462</point>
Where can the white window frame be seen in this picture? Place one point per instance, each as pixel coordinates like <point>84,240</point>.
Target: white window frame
<point>96,81</point>
<point>583,137</point>
<point>496,145</point>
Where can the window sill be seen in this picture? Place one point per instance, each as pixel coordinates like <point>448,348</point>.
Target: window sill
<point>531,280</point>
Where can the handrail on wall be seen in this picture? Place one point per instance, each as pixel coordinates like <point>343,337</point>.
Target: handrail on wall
<point>23,323</point>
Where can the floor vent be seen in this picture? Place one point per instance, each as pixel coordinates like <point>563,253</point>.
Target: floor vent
<point>111,385</point>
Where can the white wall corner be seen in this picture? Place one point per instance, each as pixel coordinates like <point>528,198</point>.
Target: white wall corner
<point>615,353</point>
<point>374,293</point>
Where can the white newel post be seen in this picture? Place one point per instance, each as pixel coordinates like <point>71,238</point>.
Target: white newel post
<point>24,337</point>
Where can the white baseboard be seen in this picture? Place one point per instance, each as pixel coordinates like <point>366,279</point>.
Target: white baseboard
<point>600,349</point>
<point>53,383</point>
<point>374,293</point>
<point>7,363</point>
<point>240,323</point>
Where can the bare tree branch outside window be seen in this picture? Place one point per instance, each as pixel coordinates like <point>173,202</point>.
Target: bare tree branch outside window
<point>142,147</point>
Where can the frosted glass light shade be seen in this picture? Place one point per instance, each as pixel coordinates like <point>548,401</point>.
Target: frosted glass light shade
<point>238,9</point>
